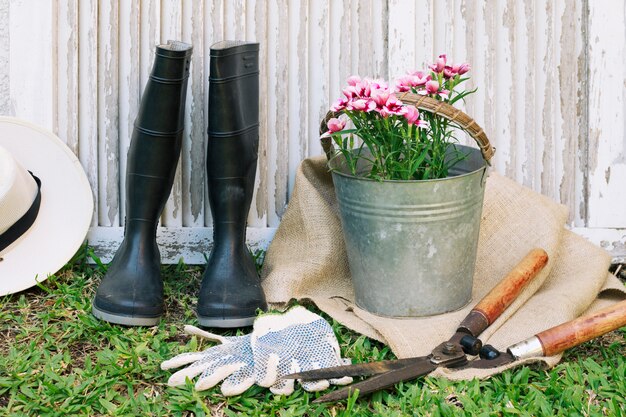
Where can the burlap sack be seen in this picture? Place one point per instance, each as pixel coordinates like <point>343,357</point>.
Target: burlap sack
<point>307,260</point>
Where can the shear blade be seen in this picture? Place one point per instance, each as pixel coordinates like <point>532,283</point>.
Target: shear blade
<point>382,381</point>
<point>358,369</point>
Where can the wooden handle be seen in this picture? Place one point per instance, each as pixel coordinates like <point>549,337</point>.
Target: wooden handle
<point>582,329</point>
<point>504,293</point>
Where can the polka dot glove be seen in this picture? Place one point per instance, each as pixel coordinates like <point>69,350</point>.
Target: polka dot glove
<point>230,361</point>
<point>295,341</point>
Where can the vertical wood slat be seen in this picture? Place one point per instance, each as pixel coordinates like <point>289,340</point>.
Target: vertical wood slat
<point>607,114</point>
<point>401,52</point>
<point>195,125</point>
<point>318,72</point>
<point>256,30</point>
<point>129,81</point>
<point>67,73</point>
<point>505,88</point>
<point>108,120</point>
<point>213,32</point>
<point>171,29</point>
<point>569,121</point>
<point>31,68</point>
<point>5,55</point>
<point>298,86</point>
<point>277,50</point>
<point>88,98</point>
<point>544,93</point>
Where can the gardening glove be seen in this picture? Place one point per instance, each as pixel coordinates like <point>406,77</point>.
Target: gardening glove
<point>295,341</point>
<point>230,361</point>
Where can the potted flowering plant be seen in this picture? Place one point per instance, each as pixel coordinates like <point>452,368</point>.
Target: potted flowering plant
<point>410,196</point>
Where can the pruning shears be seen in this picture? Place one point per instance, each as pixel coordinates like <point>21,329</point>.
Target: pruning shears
<point>454,352</point>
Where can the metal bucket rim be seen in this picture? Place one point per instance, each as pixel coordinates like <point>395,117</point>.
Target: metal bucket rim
<point>358,178</point>
<point>483,167</point>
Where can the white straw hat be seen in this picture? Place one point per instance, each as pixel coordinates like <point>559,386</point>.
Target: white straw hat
<point>41,227</point>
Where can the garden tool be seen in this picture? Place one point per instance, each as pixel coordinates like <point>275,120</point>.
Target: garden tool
<point>297,340</point>
<point>231,293</point>
<point>131,292</point>
<point>450,354</point>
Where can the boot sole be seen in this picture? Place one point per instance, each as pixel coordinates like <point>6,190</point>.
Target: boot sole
<point>125,320</point>
<point>226,323</point>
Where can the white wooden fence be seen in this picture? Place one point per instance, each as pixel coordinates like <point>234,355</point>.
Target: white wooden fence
<point>550,74</point>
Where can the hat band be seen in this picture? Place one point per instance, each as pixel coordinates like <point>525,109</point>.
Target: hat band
<point>25,222</point>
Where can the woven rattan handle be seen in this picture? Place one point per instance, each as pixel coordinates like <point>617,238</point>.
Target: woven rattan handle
<point>430,105</point>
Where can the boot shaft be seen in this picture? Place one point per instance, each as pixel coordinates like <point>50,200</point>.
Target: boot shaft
<point>162,110</point>
<point>233,88</point>
<point>233,131</point>
<point>156,141</point>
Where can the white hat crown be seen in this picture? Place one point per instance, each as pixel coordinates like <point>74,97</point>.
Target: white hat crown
<point>18,190</point>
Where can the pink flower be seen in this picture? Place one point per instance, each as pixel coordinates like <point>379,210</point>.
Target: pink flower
<point>463,68</point>
<point>350,92</point>
<point>353,80</point>
<point>411,114</point>
<point>339,105</point>
<point>432,87</point>
<point>380,97</point>
<point>449,72</point>
<point>392,106</point>
<point>361,105</point>
<point>439,65</point>
<point>417,79</point>
<point>378,85</point>
<point>335,125</point>
<point>363,88</point>
<point>421,78</point>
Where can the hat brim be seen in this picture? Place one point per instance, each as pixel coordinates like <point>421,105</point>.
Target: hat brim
<point>66,206</point>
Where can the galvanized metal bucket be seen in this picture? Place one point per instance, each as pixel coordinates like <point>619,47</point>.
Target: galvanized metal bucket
<point>412,244</point>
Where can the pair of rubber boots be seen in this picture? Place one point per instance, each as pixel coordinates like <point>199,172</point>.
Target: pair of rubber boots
<point>131,292</point>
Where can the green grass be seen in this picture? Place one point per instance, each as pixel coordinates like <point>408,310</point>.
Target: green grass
<point>56,359</point>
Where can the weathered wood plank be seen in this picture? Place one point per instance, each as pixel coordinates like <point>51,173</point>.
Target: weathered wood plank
<point>318,72</point>
<point>443,27</point>
<point>424,48</point>
<point>88,96</point>
<point>5,62</point>
<point>256,30</point>
<point>108,116</point>
<point>213,32</point>
<point>402,35</point>
<point>525,149</point>
<point>277,151</point>
<point>234,25</point>
<point>298,84</point>
<point>31,62</point>
<point>171,29</point>
<point>129,86</point>
<point>570,96</point>
<point>194,144</point>
<point>544,104</point>
<point>67,73</point>
<point>607,114</point>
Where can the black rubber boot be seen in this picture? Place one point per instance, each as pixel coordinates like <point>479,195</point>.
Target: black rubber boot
<point>131,292</point>
<point>231,292</point>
